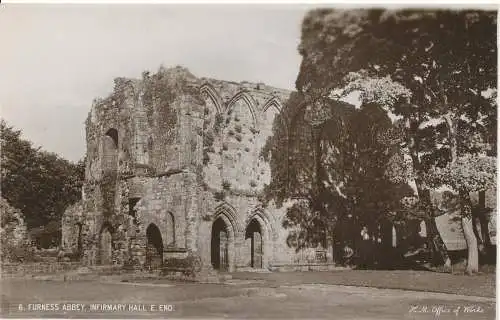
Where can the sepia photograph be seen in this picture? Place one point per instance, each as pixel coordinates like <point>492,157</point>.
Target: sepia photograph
<point>248,160</point>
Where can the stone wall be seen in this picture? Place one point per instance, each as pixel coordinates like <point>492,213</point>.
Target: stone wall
<point>13,233</point>
<point>171,158</point>
<point>72,231</point>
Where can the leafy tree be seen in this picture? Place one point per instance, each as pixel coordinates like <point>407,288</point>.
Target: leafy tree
<point>333,167</point>
<point>448,80</point>
<point>39,183</point>
<point>290,153</point>
<point>466,174</point>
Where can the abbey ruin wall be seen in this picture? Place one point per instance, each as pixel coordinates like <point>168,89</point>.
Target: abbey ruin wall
<point>167,156</point>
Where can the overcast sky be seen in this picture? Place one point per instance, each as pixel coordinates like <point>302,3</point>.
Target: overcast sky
<point>56,58</point>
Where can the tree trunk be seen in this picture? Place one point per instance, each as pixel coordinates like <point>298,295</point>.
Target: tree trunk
<point>483,220</point>
<point>436,244</point>
<point>478,233</point>
<point>485,234</point>
<point>452,135</point>
<point>470,239</point>
<point>480,215</point>
<point>316,136</point>
<point>466,206</point>
<point>434,240</point>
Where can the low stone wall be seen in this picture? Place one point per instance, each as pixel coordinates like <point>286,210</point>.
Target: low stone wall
<point>9,270</point>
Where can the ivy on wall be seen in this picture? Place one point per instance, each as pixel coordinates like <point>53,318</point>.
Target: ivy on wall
<point>108,189</point>
<point>159,93</point>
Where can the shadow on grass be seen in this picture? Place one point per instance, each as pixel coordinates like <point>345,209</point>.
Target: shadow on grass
<point>394,262</point>
<point>421,262</point>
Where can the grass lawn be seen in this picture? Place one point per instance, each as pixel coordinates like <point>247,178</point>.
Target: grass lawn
<point>482,285</point>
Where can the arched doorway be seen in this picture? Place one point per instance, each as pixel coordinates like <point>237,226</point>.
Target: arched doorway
<point>220,245</point>
<point>106,246</point>
<point>154,247</point>
<point>253,234</point>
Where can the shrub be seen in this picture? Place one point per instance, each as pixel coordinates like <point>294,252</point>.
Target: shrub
<point>224,146</point>
<point>47,236</point>
<point>238,128</point>
<point>238,137</point>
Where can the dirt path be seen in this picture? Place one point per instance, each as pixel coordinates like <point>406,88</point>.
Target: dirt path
<point>246,299</point>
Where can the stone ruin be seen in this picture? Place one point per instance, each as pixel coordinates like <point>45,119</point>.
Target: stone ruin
<point>15,241</point>
<point>174,168</point>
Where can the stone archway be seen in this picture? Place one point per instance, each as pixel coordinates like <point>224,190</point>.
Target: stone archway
<point>253,234</point>
<point>220,245</point>
<point>154,247</point>
<point>110,150</point>
<point>260,231</point>
<point>106,246</point>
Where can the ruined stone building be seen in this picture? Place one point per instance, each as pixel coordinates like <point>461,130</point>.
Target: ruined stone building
<point>174,167</point>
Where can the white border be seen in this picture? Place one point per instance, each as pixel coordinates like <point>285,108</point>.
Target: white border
<point>353,3</point>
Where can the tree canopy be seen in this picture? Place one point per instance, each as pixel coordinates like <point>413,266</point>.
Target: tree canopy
<point>434,70</point>
<point>425,66</point>
<point>334,168</point>
<point>39,183</point>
